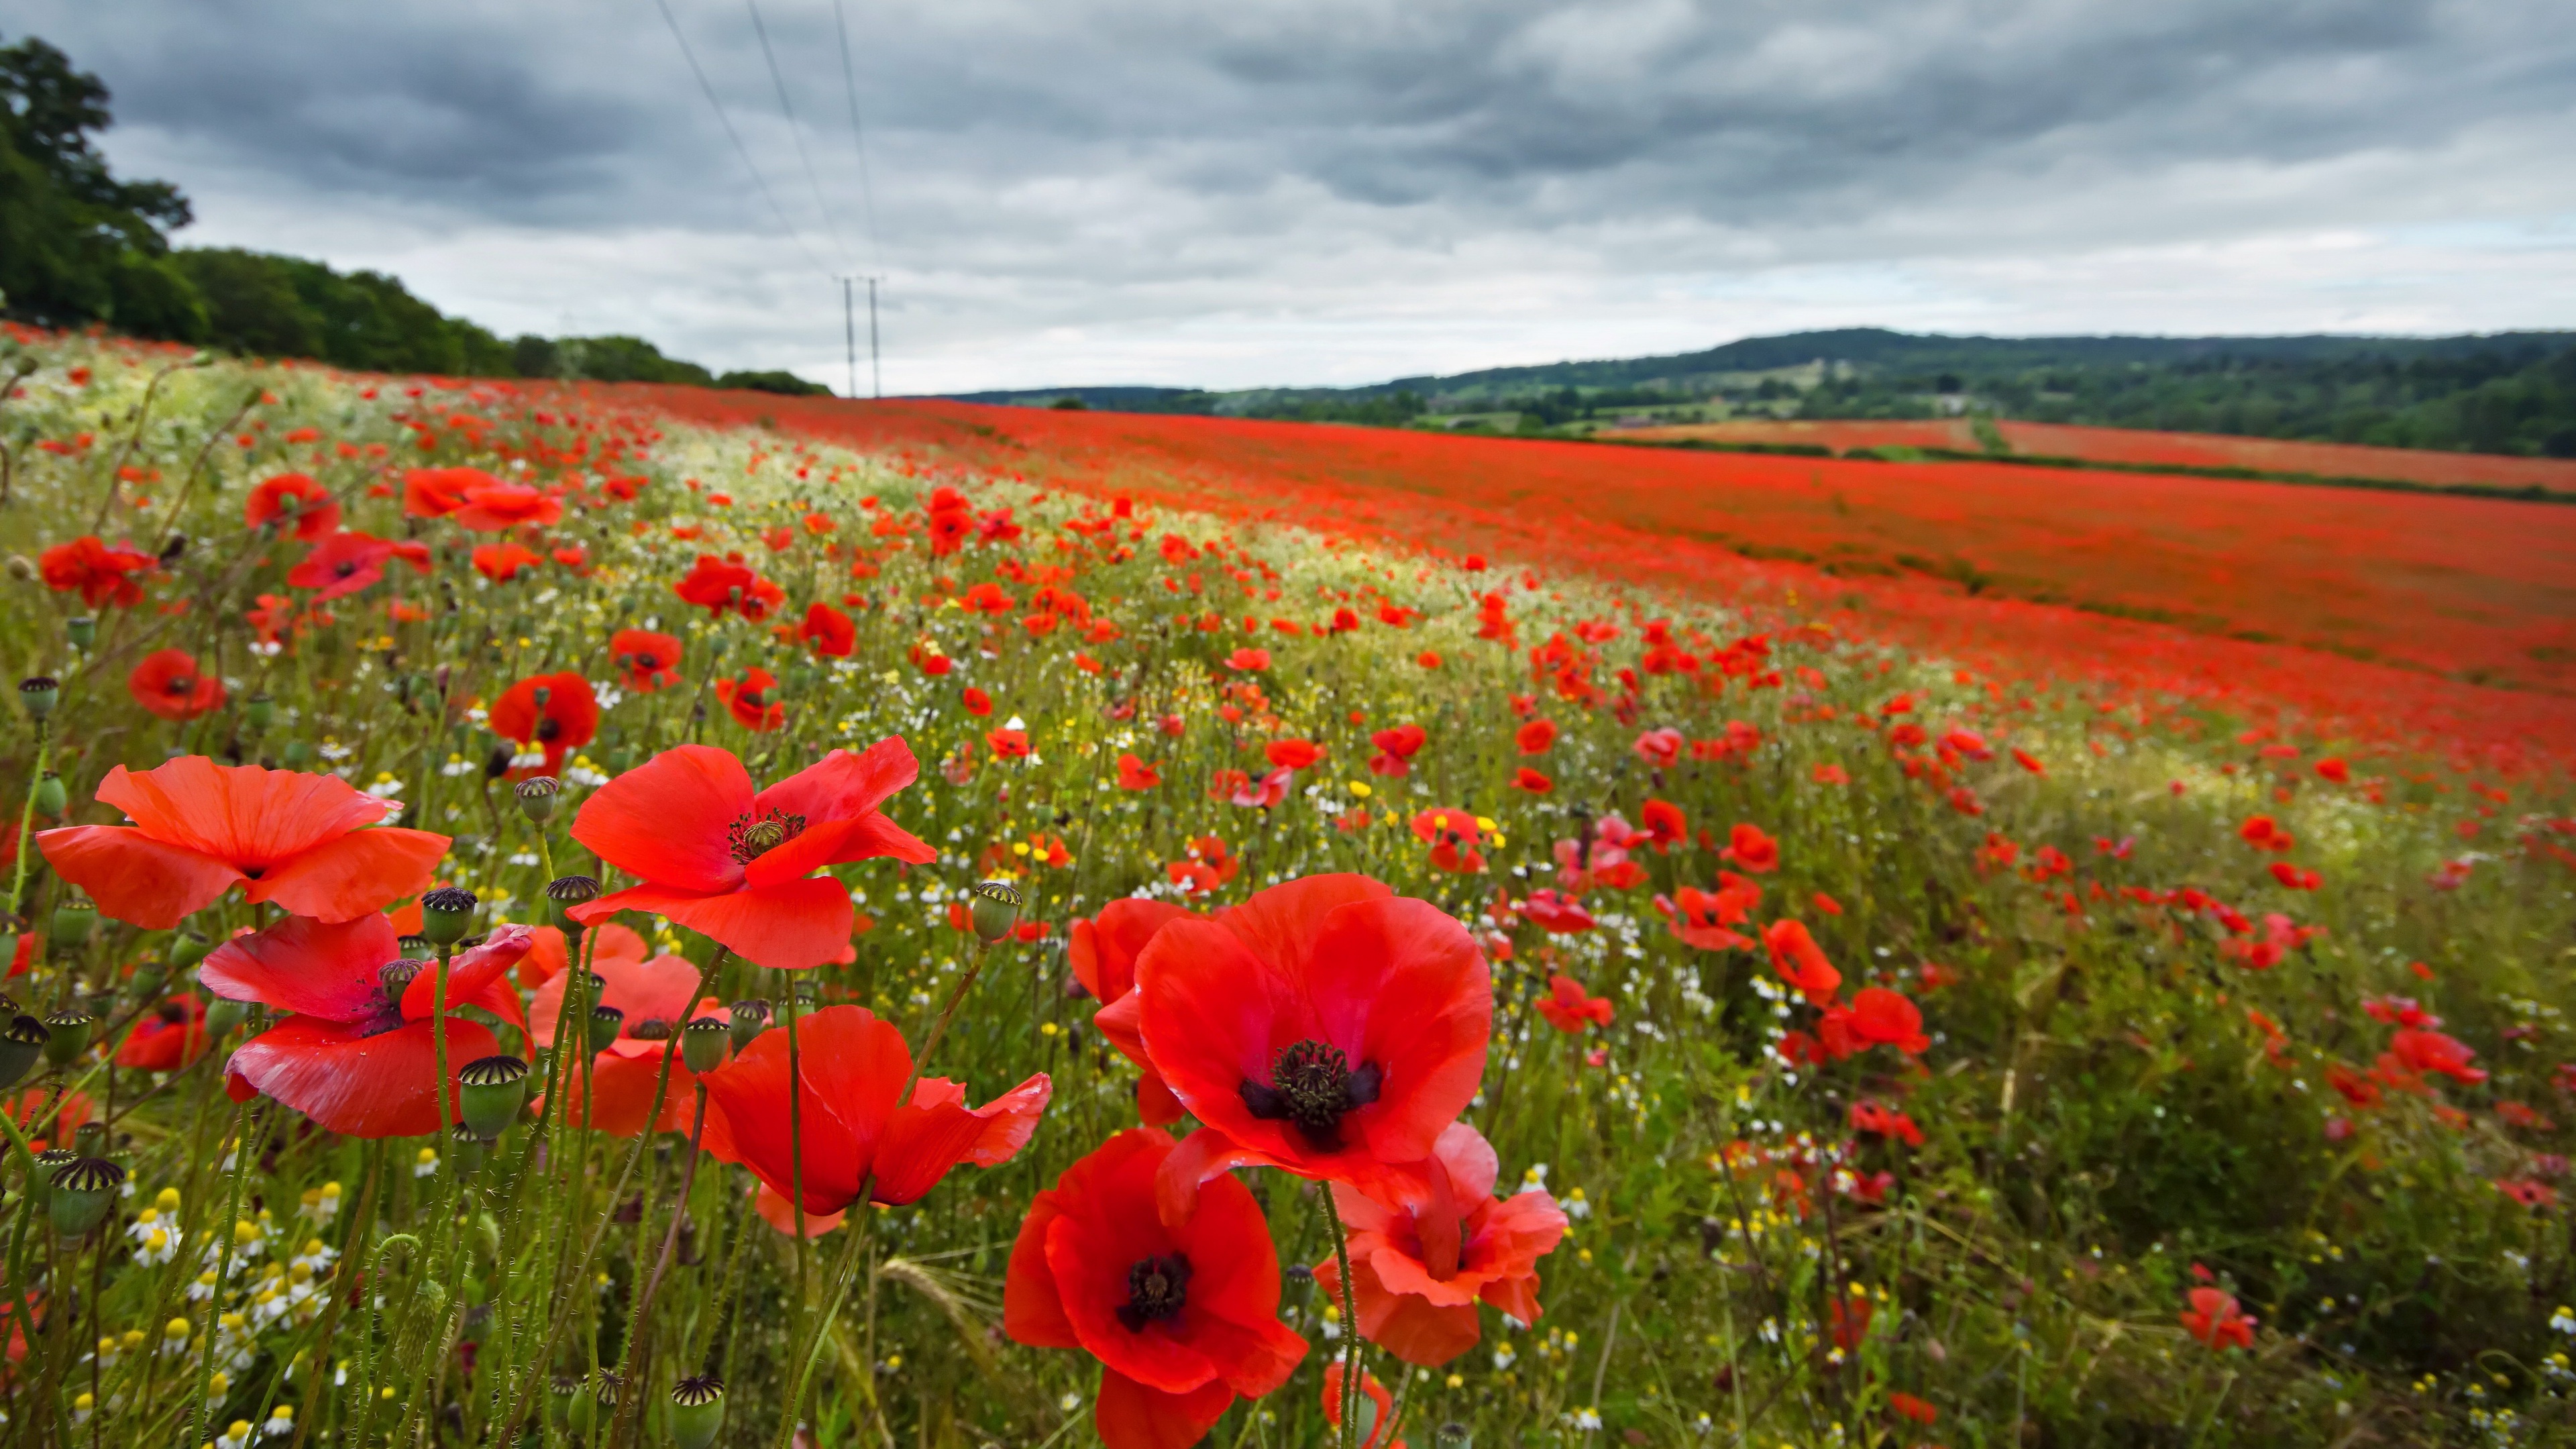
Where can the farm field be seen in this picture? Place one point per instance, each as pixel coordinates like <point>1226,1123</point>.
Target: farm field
<point>2150,449</point>
<point>614,916</point>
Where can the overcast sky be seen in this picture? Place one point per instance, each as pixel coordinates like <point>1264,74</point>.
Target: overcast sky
<point>1237,192</point>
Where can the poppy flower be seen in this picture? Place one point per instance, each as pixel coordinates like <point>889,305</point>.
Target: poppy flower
<point>438,492</point>
<point>1535,738</point>
<point>502,562</point>
<point>2435,1053</point>
<point>1381,1411</point>
<point>1531,780</point>
<point>2296,878</point>
<point>345,563</point>
<point>104,576</point>
<point>556,713</point>
<point>1801,962</point>
<point>623,1075</point>
<point>857,1143</point>
<point>717,585</point>
<point>1877,1121</point>
<point>1183,1316</point>
<point>1558,914</point>
<point>1421,1261</point>
<point>498,507</point>
<point>296,504</point>
<point>1104,951</point>
<point>1135,774</point>
<point>2215,1319</point>
<point>169,684</point>
<point>2264,833</point>
<point>200,828</point>
<point>1569,1010</point>
<point>1886,1018</point>
<point>1704,919</point>
<point>976,701</point>
<point>1663,824</point>
<point>1007,744</point>
<point>33,1103</point>
<point>1325,1026</point>
<point>736,864</point>
<point>549,957</point>
<point>747,696</point>
<point>1452,836</point>
<point>1395,750</point>
<point>1252,794</point>
<point>1248,660</point>
<point>1748,847</point>
<point>2335,769</point>
<point>650,661</point>
<point>1660,749</point>
<point>358,1052</point>
<point>828,631</point>
<point>1292,754</point>
<point>171,1037</point>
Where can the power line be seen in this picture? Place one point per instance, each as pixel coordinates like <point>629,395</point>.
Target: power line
<point>859,139</point>
<point>736,137</point>
<point>795,132</point>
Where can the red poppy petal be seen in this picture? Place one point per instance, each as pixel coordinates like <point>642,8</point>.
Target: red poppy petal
<point>475,977</point>
<point>1233,1311</point>
<point>843,785</point>
<point>1280,924</point>
<point>919,1146</point>
<point>1414,1329</point>
<point>1403,983</point>
<point>1032,1309</point>
<point>1104,949</point>
<point>1212,1013</point>
<point>133,877</point>
<point>244,814</point>
<point>359,1086</point>
<point>1202,1157</point>
<point>1130,1415</point>
<point>853,1063</point>
<point>1155,1104</point>
<point>779,1213</point>
<point>1090,1251</point>
<point>617,1095</point>
<point>313,968</point>
<point>362,871</point>
<point>1009,1121</point>
<point>1121,1025</point>
<point>661,989</point>
<point>665,820</point>
<point>789,926</point>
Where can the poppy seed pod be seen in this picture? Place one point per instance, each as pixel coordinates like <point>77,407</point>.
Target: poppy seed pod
<point>567,891</point>
<point>90,1139</point>
<point>48,1162</point>
<point>51,798</point>
<point>465,1150</point>
<point>995,909</point>
<point>749,1016</point>
<point>703,1043</point>
<point>222,1015</point>
<point>72,922</point>
<point>604,1022</point>
<point>567,1390</point>
<point>83,1190</point>
<point>697,1411</point>
<point>596,1400</point>
<point>38,695</point>
<point>446,914</point>
<point>187,949</point>
<point>20,1045</point>
<point>537,797</point>
<point>259,711</point>
<point>490,1092</point>
<point>68,1033</point>
<point>83,631</point>
<point>1453,1436</point>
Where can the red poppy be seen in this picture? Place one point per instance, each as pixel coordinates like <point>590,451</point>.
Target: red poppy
<point>828,630</point>
<point>2264,833</point>
<point>170,1038</point>
<point>1531,780</point>
<point>1569,1010</point>
<point>977,702</point>
<point>497,507</point>
<point>2335,769</point>
<point>1748,847</point>
<point>622,1077</point>
<point>556,713</point>
<point>1536,738</point>
<point>103,575</point>
<point>1007,744</point>
<point>1422,1260</point>
<point>1135,774</point>
<point>1660,749</point>
<point>358,1052</point>
<point>1877,1121</point>
<point>717,586</point>
<point>651,661</point>
<point>2435,1052</point>
<point>169,684</point>
<point>1882,1017</point>
<point>1919,1410</point>
<point>296,504</point>
<point>748,695</point>
<point>1703,918</point>
<point>200,828</point>
<point>1183,1316</point>
<point>438,492</point>
<point>548,957</point>
<point>33,1103</point>
<point>737,865</point>
<point>1664,824</point>
<point>1292,754</point>
<point>1557,913</point>
<point>502,562</point>
<point>344,563</point>
<point>1380,1419</point>
<point>1801,962</point>
<point>1104,951</point>
<point>1396,749</point>
<point>1325,1026</point>
<point>2215,1319</point>
<point>857,1142</point>
<point>1452,836</point>
<point>1248,660</point>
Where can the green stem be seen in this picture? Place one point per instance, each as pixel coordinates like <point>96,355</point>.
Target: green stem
<point>198,1408</point>
<point>27,818</point>
<point>1350,1320</point>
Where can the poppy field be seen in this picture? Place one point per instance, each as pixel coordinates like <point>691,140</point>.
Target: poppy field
<point>634,916</point>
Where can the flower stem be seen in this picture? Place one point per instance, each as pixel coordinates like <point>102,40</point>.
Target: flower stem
<point>1350,1319</point>
<point>27,818</point>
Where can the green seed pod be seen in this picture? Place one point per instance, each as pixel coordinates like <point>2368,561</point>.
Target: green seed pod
<point>51,798</point>
<point>38,694</point>
<point>567,1390</point>
<point>491,1092</point>
<point>72,922</point>
<point>20,1046</point>
<point>749,1016</point>
<point>187,948</point>
<point>464,1150</point>
<point>83,1190</point>
<point>604,1024</point>
<point>90,1139</point>
<point>537,797</point>
<point>996,908</point>
<point>415,949</point>
<point>697,1411</point>
<point>703,1043</point>
<point>596,1401</point>
<point>53,1159</point>
<point>1453,1436</point>
<point>69,1030</point>
<point>223,1015</point>
<point>259,712</point>
<point>447,914</point>
<point>565,892</point>
<point>83,631</point>
<point>297,752</point>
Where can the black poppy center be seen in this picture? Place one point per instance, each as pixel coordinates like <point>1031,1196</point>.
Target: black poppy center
<point>183,684</point>
<point>647,663</point>
<point>345,568</point>
<point>748,839</point>
<point>549,727</point>
<point>1157,1288</point>
<point>1311,1086</point>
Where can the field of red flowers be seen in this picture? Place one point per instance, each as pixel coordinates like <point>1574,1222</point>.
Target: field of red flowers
<point>2417,617</point>
<point>2150,449</point>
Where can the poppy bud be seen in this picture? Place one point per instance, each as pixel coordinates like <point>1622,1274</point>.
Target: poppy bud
<point>465,1155</point>
<point>69,1033</point>
<point>446,914</point>
<point>50,795</point>
<point>38,695</point>
<point>187,948</point>
<point>83,631</point>
<point>72,921</point>
<point>147,979</point>
<point>20,1045</point>
<point>749,1016</point>
<point>604,1022</point>
<point>703,1043</point>
<point>537,797</point>
<point>259,711</point>
<point>222,1015</point>
<point>996,908</point>
<point>83,1190</point>
<point>490,1092</point>
<point>567,891</point>
<point>697,1411</point>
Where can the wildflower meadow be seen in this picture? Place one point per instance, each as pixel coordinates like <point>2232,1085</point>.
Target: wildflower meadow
<point>545,915</point>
